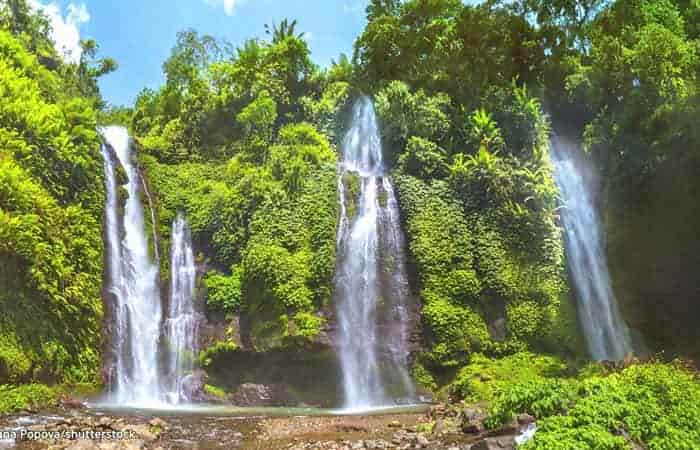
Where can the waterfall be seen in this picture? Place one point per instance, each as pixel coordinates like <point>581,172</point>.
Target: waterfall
<point>182,323</point>
<point>605,331</point>
<point>132,280</point>
<point>371,266</point>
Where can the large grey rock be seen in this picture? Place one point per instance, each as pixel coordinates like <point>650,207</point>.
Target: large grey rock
<point>251,394</point>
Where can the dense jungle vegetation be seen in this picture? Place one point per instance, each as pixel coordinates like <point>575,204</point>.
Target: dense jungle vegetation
<point>51,203</point>
<point>244,139</point>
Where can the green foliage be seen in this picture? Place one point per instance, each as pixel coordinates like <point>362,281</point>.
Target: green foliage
<point>327,113</point>
<point>655,404</point>
<point>351,185</point>
<point>448,46</point>
<point>213,351</point>
<point>258,120</point>
<point>299,150</point>
<point>289,260</point>
<point>267,222</point>
<point>51,195</point>
<point>483,132</point>
<point>308,325</point>
<point>423,377</point>
<point>223,292</point>
<point>423,159</point>
<point>27,397</point>
<point>404,114</point>
<point>641,69</point>
<point>209,84</point>
<point>215,391</point>
<point>482,228</point>
<point>484,379</point>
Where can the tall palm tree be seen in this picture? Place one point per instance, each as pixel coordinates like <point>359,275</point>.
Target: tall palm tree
<point>282,31</point>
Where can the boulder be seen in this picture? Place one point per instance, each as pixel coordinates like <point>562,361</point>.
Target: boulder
<point>497,329</point>
<point>525,419</point>
<point>251,394</point>
<point>472,420</point>
<point>70,403</point>
<point>193,387</point>
<point>422,441</point>
<point>499,443</point>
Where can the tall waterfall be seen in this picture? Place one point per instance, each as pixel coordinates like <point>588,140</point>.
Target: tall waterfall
<point>371,283</point>
<point>182,323</point>
<point>133,282</point>
<point>605,331</point>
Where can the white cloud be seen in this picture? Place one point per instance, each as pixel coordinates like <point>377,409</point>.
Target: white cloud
<point>308,36</point>
<point>65,30</point>
<point>229,5</point>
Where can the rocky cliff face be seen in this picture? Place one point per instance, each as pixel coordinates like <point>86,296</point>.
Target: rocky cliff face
<point>654,253</point>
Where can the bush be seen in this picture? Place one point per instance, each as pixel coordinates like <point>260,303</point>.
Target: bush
<point>423,159</point>
<point>224,292</point>
<point>655,404</point>
<point>29,396</point>
<point>307,325</point>
<point>484,378</point>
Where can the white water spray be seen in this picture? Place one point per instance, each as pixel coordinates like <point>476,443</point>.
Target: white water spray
<point>364,242</point>
<point>605,331</point>
<point>133,281</point>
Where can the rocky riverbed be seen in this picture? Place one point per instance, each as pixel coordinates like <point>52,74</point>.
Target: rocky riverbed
<point>442,427</point>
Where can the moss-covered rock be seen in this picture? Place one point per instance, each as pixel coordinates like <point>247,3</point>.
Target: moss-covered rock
<point>301,373</point>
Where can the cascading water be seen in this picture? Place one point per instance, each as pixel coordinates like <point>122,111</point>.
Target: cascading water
<point>605,331</point>
<point>182,323</point>
<point>373,352</point>
<point>133,282</point>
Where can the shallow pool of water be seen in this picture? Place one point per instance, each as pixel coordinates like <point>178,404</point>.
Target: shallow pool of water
<point>245,412</point>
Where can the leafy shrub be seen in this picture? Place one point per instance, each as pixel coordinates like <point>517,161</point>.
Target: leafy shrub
<point>485,378</point>
<point>28,396</point>
<point>655,404</point>
<point>224,292</point>
<point>307,325</point>
<point>423,159</point>
<point>405,114</point>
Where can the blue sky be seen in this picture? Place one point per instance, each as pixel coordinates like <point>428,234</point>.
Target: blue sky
<point>140,33</point>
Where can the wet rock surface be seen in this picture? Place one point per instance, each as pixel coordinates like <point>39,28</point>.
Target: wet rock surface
<point>251,394</point>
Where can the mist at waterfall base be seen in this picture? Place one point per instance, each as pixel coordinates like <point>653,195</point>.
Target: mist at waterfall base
<point>371,359</point>
<point>606,333</point>
<point>136,377</point>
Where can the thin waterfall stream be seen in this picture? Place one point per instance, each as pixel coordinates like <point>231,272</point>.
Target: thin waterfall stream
<point>371,281</point>
<point>605,331</point>
<point>182,323</point>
